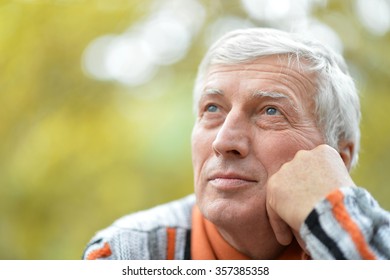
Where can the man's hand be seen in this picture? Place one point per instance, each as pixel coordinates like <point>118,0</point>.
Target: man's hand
<point>299,185</point>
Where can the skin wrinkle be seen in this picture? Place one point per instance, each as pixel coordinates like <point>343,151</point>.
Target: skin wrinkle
<point>288,81</point>
<point>280,68</point>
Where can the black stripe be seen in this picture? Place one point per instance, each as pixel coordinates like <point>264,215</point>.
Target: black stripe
<point>313,223</point>
<point>187,248</point>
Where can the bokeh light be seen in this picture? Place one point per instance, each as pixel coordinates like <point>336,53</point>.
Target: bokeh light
<point>132,58</point>
<point>374,15</point>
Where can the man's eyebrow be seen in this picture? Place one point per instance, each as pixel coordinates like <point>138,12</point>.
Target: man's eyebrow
<point>275,95</point>
<point>213,91</point>
<point>271,94</point>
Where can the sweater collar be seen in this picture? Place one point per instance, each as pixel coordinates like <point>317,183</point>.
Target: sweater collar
<point>208,244</point>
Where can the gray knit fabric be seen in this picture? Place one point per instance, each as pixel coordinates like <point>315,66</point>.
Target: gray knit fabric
<point>143,236</point>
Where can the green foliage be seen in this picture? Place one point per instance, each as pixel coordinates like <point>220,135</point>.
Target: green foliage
<point>77,153</point>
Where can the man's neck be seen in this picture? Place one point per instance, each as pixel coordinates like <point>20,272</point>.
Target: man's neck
<point>257,242</point>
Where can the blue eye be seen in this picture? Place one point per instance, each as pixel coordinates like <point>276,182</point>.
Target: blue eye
<point>272,111</point>
<point>211,108</point>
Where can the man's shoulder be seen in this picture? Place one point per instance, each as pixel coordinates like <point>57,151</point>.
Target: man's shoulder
<point>142,228</point>
<point>176,213</point>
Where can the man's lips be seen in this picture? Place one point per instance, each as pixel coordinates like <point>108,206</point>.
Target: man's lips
<point>230,180</point>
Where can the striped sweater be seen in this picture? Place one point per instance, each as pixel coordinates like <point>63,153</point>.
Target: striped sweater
<point>348,224</point>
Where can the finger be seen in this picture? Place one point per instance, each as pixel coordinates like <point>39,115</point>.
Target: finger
<point>281,230</point>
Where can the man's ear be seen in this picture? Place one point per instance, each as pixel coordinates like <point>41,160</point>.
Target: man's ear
<point>346,151</point>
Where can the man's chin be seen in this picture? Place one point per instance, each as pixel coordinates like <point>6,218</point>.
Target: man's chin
<point>224,211</point>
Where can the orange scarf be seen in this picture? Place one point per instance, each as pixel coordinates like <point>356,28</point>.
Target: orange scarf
<point>208,244</point>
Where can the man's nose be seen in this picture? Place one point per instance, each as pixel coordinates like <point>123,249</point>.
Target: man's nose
<point>233,137</point>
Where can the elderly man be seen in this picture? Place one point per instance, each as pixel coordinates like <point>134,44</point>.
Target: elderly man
<point>276,133</point>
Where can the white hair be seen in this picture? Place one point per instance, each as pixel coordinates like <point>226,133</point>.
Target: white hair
<point>337,101</point>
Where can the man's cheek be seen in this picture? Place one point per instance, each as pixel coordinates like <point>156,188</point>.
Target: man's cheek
<point>277,154</point>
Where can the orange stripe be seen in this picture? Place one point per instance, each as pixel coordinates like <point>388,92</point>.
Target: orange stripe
<point>171,243</point>
<point>103,252</point>
<point>336,198</point>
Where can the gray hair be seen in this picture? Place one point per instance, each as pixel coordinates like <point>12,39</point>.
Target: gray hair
<point>337,101</point>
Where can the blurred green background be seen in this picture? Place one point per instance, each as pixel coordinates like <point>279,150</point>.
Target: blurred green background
<point>96,105</point>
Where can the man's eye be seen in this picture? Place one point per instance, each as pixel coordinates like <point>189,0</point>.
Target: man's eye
<point>271,111</point>
<point>211,108</point>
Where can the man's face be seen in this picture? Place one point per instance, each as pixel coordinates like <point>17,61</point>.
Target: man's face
<point>252,118</point>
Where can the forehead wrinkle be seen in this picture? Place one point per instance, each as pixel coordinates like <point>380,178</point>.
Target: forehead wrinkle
<point>297,79</point>
<point>290,66</point>
<point>299,75</point>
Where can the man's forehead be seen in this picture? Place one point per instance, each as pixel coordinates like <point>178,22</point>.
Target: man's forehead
<point>279,69</point>
<point>282,63</point>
